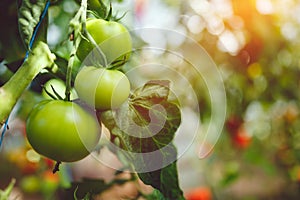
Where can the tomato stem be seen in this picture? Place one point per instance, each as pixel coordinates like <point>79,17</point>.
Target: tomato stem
<point>91,39</point>
<point>56,167</point>
<point>102,55</point>
<point>39,58</point>
<point>78,24</point>
<point>5,194</point>
<point>75,36</point>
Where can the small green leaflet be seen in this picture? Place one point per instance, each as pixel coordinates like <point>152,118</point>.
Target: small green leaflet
<point>144,129</point>
<point>87,188</point>
<point>28,17</point>
<point>4,194</point>
<point>155,195</point>
<point>165,180</point>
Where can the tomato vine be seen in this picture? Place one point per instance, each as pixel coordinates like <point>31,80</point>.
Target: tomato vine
<point>149,100</point>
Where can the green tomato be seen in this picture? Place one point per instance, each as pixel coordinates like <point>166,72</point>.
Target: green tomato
<point>60,88</point>
<point>112,37</point>
<point>30,184</point>
<point>62,131</point>
<point>102,88</point>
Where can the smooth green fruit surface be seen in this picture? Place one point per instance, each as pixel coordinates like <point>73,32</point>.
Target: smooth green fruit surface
<point>102,88</point>
<point>112,37</point>
<point>62,131</point>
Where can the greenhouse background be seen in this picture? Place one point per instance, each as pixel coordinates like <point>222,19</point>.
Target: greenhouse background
<point>252,50</point>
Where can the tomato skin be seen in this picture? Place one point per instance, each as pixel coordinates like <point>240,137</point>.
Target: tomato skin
<point>102,88</point>
<point>62,131</point>
<point>241,138</point>
<point>112,37</point>
<point>201,193</point>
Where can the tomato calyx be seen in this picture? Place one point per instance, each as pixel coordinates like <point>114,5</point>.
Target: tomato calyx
<point>106,43</point>
<point>99,53</point>
<point>101,11</point>
<point>117,64</point>
<point>56,96</point>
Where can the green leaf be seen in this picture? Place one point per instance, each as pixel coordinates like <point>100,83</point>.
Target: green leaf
<point>154,91</point>
<point>144,128</point>
<point>87,187</point>
<point>11,47</point>
<point>28,17</point>
<point>99,7</point>
<point>5,73</point>
<point>155,195</point>
<point>165,180</point>
<point>103,9</point>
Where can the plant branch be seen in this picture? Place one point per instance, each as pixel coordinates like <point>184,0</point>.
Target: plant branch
<point>40,58</point>
<point>75,32</point>
<point>77,29</point>
<point>91,39</point>
<point>4,195</point>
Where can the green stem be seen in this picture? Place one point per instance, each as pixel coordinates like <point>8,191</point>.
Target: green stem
<point>4,195</point>
<point>40,58</point>
<point>91,39</point>
<point>77,24</point>
<point>69,78</point>
<point>75,28</point>
<point>102,55</point>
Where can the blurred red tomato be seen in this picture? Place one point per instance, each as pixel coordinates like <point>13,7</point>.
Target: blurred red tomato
<point>238,134</point>
<point>49,182</point>
<point>241,138</point>
<point>29,168</point>
<point>200,193</point>
<point>49,163</point>
<point>50,176</point>
<point>18,157</point>
<point>233,123</point>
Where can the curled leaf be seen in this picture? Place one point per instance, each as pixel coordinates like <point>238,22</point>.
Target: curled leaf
<point>145,128</point>
<point>29,16</point>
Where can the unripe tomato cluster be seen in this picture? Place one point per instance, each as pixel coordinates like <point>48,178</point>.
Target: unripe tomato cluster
<point>65,131</point>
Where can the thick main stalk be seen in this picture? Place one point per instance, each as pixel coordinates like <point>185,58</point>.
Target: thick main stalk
<point>40,58</point>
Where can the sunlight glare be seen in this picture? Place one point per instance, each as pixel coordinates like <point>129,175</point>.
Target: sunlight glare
<point>264,7</point>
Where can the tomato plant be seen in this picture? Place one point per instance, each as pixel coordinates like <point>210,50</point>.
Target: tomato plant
<point>112,37</point>
<point>255,46</point>
<point>102,88</point>
<point>62,131</point>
